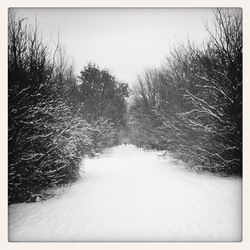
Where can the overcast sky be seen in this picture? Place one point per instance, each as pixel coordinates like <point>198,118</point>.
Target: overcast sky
<point>126,41</point>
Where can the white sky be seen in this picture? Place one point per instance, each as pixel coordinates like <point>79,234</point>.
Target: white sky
<point>126,41</point>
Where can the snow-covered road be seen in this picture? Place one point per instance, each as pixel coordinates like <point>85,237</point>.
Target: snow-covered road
<point>132,195</point>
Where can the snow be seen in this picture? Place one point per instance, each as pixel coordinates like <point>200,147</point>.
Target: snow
<point>128,194</point>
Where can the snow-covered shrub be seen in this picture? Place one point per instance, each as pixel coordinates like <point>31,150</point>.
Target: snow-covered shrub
<point>51,120</point>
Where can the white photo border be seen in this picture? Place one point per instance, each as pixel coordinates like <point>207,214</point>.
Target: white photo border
<point>4,5</point>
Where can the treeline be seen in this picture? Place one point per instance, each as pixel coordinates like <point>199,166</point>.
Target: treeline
<point>54,117</point>
<point>192,105</point>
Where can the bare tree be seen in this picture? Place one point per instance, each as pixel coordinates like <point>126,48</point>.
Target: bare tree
<point>196,100</point>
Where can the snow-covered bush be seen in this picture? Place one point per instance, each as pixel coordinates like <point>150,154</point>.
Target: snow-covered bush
<point>49,127</point>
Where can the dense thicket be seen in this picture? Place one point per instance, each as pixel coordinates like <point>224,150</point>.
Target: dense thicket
<point>52,121</point>
<point>192,106</point>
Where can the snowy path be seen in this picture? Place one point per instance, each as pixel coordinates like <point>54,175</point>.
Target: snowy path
<point>131,195</point>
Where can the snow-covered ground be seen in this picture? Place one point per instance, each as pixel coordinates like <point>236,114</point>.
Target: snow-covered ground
<point>128,194</point>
